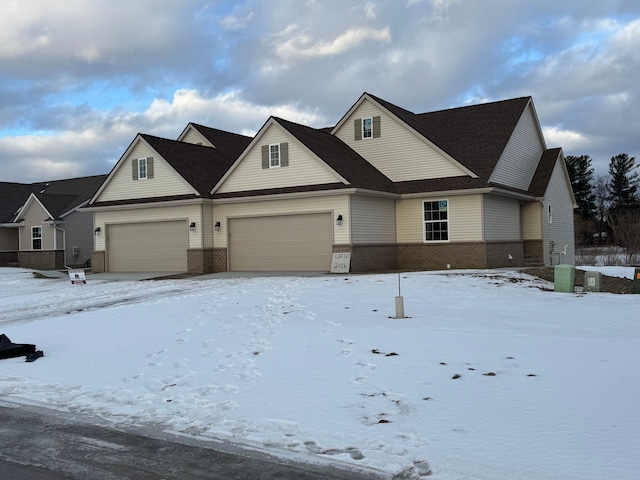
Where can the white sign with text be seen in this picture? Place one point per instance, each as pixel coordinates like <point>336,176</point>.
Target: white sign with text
<point>341,262</point>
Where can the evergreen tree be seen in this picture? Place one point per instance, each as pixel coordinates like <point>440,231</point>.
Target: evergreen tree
<point>623,182</point>
<point>581,175</point>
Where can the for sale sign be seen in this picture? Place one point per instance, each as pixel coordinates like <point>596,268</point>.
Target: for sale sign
<point>77,277</point>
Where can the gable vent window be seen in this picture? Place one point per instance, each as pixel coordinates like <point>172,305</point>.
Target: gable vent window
<point>142,168</point>
<point>365,128</point>
<point>275,155</point>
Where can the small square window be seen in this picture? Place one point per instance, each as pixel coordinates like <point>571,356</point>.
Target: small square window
<point>142,168</point>
<point>274,156</point>
<point>367,127</point>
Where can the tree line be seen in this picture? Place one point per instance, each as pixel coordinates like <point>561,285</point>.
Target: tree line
<point>608,206</point>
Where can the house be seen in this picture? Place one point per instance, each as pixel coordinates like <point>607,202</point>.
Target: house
<point>42,226</point>
<point>469,187</point>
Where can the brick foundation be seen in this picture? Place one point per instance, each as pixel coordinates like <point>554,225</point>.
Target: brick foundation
<point>42,259</point>
<point>365,258</point>
<point>98,261</point>
<point>505,254</point>
<point>8,258</point>
<point>220,260</point>
<point>440,256</point>
<point>533,250</point>
<point>200,260</point>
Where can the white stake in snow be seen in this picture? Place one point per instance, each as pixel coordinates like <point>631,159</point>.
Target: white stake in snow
<point>399,302</point>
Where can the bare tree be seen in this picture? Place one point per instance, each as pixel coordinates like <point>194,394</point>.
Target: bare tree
<point>601,200</point>
<point>625,224</point>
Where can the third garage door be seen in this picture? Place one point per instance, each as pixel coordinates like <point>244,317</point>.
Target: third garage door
<point>148,247</point>
<point>283,242</point>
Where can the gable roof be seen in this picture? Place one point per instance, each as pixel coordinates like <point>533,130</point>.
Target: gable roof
<point>232,143</point>
<point>58,197</point>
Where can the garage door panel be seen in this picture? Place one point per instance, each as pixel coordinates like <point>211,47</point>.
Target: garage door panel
<point>148,247</point>
<point>285,242</point>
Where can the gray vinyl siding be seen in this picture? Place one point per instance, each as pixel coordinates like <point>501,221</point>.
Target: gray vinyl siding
<point>501,218</point>
<point>195,137</point>
<point>561,230</point>
<point>373,220</point>
<point>519,161</point>
<point>78,228</point>
<point>35,216</point>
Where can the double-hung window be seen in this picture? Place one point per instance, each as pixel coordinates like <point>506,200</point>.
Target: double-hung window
<point>367,127</point>
<point>142,168</point>
<point>436,221</point>
<point>36,238</point>
<point>274,155</point>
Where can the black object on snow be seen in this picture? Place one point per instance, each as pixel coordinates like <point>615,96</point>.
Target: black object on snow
<point>8,349</point>
<point>32,357</point>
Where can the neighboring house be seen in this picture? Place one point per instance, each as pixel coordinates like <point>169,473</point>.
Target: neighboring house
<point>470,187</point>
<point>42,226</point>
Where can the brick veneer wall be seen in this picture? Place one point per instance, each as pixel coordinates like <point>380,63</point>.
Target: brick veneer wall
<point>98,261</point>
<point>200,260</point>
<point>437,256</point>
<point>8,258</point>
<point>534,250</point>
<point>42,260</point>
<point>220,260</point>
<point>498,254</point>
<point>374,257</point>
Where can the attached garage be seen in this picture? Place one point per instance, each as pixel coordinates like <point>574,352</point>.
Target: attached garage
<point>283,242</point>
<point>148,247</point>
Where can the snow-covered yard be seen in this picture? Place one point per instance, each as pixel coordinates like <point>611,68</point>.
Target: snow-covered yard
<point>490,377</point>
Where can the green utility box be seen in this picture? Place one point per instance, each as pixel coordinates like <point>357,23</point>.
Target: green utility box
<point>564,278</point>
<point>636,280</point>
<point>592,282</point>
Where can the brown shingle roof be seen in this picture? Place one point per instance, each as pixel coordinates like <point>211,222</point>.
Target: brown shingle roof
<point>543,172</point>
<point>201,166</point>
<point>57,196</point>
<point>231,143</point>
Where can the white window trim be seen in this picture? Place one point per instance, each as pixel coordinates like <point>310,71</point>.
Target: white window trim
<point>271,165</point>
<point>33,229</point>
<point>424,222</point>
<point>550,215</point>
<point>364,137</point>
<point>143,161</point>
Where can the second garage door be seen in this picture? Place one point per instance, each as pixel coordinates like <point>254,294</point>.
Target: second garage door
<point>148,247</point>
<point>284,242</point>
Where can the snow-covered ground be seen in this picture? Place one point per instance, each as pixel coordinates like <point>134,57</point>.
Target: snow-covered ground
<point>491,376</point>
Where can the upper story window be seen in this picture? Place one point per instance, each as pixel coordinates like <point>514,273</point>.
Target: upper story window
<point>274,155</point>
<point>142,168</point>
<point>36,238</point>
<point>367,127</point>
<point>436,221</point>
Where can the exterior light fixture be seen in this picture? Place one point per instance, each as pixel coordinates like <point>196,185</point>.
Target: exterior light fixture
<point>192,227</point>
<point>96,231</point>
<point>217,226</point>
<point>339,220</point>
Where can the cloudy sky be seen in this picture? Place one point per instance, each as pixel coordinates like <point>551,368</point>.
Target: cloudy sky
<point>79,78</point>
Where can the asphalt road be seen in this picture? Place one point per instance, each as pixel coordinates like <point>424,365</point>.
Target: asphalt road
<point>41,444</point>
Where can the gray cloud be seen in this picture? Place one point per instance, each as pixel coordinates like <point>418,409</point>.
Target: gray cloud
<point>78,80</point>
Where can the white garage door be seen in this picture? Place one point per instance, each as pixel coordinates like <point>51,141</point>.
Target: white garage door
<point>148,247</point>
<point>284,242</point>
